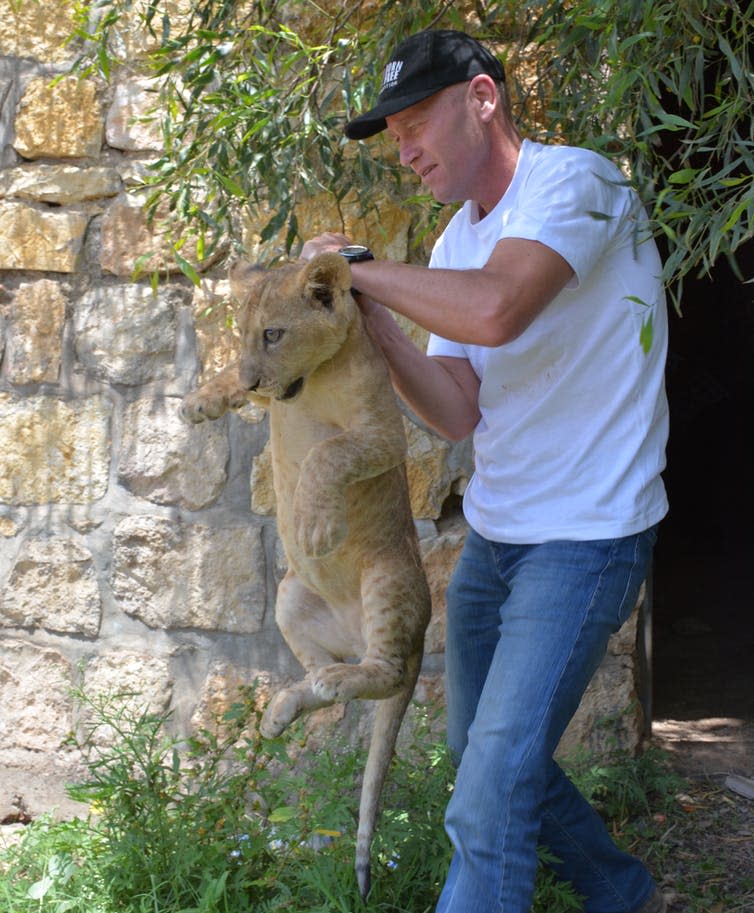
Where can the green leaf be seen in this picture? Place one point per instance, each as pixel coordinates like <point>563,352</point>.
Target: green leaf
<point>140,262</point>
<point>646,334</point>
<point>283,814</point>
<point>736,182</point>
<point>187,269</point>
<point>675,121</point>
<point>734,217</point>
<point>39,889</point>
<point>684,176</point>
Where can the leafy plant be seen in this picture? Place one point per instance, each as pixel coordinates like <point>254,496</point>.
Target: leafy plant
<point>175,820</point>
<point>621,784</point>
<point>252,96</point>
<point>251,100</point>
<point>226,822</point>
<point>54,869</point>
<point>667,89</point>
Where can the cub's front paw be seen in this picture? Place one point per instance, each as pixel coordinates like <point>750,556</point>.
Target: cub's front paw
<point>202,405</point>
<point>193,409</point>
<point>319,532</point>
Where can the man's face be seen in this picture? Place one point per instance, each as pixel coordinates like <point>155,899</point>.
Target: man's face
<point>442,141</point>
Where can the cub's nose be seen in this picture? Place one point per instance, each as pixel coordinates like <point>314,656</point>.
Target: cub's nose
<point>248,376</point>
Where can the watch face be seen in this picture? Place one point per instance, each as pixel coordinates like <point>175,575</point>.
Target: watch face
<point>356,252</point>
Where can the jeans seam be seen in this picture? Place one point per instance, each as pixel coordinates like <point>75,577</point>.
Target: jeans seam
<point>594,869</point>
<point>543,717</point>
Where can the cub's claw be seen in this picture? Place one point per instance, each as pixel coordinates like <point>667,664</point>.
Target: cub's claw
<point>319,518</point>
<point>317,536</point>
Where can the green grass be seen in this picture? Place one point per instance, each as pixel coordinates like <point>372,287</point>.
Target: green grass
<point>228,823</point>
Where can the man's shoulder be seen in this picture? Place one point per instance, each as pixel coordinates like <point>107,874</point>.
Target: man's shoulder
<point>554,157</point>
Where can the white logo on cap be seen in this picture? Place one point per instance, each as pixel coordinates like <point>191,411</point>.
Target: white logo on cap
<point>390,74</point>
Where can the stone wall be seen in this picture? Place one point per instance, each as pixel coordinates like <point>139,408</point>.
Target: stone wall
<point>137,553</point>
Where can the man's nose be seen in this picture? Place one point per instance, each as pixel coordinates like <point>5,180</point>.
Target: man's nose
<point>408,154</point>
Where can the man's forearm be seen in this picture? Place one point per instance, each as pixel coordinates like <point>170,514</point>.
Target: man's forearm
<point>438,300</point>
<point>434,394</point>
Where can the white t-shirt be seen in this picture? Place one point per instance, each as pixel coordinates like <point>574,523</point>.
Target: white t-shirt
<point>574,418</point>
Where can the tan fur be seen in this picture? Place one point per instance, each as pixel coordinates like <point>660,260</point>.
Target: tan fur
<point>355,588</point>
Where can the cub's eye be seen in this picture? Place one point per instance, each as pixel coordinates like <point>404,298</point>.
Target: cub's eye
<point>273,335</point>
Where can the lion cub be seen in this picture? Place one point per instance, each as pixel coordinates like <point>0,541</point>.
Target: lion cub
<point>355,588</point>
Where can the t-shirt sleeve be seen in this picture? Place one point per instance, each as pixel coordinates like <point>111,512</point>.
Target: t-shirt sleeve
<point>574,203</point>
<point>438,345</point>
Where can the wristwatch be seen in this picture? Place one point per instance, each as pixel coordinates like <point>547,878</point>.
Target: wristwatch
<point>356,253</point>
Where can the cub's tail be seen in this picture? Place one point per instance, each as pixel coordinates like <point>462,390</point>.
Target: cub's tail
<point>387,723</point>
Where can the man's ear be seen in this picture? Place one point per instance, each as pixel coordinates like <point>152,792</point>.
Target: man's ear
<point>483,91</point>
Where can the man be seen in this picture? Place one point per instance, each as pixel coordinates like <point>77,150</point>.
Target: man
<point>536,296</point>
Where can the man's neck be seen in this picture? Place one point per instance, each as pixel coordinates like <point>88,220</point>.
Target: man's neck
<point>505,162</point>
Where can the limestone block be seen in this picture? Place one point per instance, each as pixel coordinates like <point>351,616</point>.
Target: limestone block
<point>9,527</point>
<point>430,690</point>
<point>130,684</point>
<point>12,72</point>
<point>427,708</point>
<point>168,461</point>
<point>173,575</point>
<point>226,684</point>
<point>133,39</point>
<point>130,240</point>
<point>61,120</point>
<point>385,230</point>
<point>35,683</point>
<point>131,124</point>
<point>262,490</point>
<point>217,337</point>
<point>3,322</point>
<point>37,29</point>
<point>36,332</point>
<point>54,451</point>
<point>59,184</point>
<point>439,557</point>
<point>280,560</point>
<point>429,477</point>
<point>53,585</point>
<point>418,335</point>
<point>126,334</point>
<point>609,715</point>
<point>33,238</point>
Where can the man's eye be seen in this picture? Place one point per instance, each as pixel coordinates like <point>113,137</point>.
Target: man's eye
<point>273,335</point>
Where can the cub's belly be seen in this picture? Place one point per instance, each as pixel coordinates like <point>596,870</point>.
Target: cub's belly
<point>335,577</point>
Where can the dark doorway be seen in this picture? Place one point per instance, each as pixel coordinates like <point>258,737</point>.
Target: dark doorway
<point>703,607</point>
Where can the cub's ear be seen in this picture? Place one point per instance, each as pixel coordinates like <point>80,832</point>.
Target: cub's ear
<point>245,277</point>
<point>324,276</point>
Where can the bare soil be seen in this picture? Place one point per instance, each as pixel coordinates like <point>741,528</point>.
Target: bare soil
<point>703,703</point>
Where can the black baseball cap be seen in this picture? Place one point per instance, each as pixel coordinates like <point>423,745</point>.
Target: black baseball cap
<point>420,66</point>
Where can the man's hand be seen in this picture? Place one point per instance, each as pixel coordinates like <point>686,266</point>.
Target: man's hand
<point>329,241</point>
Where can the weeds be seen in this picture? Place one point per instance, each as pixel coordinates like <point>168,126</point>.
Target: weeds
<point>226,822</point>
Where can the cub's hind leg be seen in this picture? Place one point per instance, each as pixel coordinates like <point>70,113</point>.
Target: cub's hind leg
<point>396,608</point>
<point>307,623</point>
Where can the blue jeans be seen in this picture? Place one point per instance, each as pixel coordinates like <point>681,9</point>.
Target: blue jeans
<point>528,626</point>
